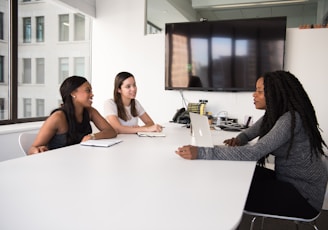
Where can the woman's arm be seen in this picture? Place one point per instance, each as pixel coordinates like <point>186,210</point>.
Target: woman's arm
<point>56,122</point>
<point>114,121</point>
<point>105,129</point>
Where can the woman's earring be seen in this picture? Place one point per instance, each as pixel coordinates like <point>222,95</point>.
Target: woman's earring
<point>73,96</point>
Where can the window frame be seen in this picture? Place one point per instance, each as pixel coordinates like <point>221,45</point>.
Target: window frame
<point>13,27</point>
<point>13,69</point>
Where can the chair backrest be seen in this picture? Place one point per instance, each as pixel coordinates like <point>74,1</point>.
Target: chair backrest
<point>25,141</point>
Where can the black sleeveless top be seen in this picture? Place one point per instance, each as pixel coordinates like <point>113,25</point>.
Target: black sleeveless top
<point>82,129</point>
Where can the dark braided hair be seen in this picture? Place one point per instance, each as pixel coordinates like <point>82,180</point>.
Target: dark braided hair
<point>120,77</point>
<point>284,93</point>
<point>67,87</point>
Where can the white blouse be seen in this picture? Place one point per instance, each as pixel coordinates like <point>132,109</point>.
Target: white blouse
<point>110,108</point>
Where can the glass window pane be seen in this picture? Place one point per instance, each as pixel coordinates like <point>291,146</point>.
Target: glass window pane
<point>2,69</point>
<point>79,66</point>
<point>4,64</point>
<point>27,102</point>
<point>40,71</point>
<point>40,29</point>
<point>79,27</point>
<point>27,33</point>
<point>63,27</point>
<point>1,25</point>
<point>43,67</point>
<point>63,69</point>
<point>27,71</point>
<point>39,107</point>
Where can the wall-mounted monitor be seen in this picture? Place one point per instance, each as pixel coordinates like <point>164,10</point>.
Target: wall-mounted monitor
<point>226,55</point>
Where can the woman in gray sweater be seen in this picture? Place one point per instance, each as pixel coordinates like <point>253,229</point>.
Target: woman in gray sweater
<point>289,131</point>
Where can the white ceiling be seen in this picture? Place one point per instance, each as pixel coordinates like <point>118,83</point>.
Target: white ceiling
<point>160,12</point>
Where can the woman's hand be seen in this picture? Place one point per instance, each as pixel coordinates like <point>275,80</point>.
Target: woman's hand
<point>155,128</point>
<point>87,137</point>
<point>188,152</point>
<point>232,142</point>
<point>37,149</point>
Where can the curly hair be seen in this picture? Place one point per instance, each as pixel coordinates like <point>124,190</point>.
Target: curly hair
<point>284,93</point>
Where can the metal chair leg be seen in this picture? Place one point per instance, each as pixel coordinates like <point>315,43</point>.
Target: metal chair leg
<point>252,223</point>
<point>262,223</point>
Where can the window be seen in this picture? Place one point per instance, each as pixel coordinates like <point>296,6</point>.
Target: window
<point>1,26</point>
<point>39,107</point>
<point>33,60</point>
<point>27,33</point>
<point>63,69</point>
<point>79,66</point>
<point>2,108</point>
<point>27,78</point>
<point>27,107</point>
<point>64,27</point>
<point>40,29</point>
<point>39,71</point>
<point>2,77</point>
<point>79,27</point>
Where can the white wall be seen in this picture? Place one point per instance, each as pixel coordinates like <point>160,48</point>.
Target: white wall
<point>119,44</point>
<point>123,46</point>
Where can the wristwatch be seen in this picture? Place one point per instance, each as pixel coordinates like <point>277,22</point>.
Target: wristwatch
<point>93,136</point>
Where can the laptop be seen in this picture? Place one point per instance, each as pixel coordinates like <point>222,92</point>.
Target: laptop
<point>200,130</point>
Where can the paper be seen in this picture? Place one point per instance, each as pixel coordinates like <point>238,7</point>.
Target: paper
<point>151,134</point>
<point>101,142</point>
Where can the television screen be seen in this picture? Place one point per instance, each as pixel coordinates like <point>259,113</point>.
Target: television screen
<point>224,55</point>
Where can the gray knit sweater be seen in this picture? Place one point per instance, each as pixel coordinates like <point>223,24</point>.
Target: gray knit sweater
<point>307,174</point>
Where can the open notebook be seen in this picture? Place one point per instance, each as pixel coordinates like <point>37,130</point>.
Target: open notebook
<point>201,131</point>
<point>101,142</point>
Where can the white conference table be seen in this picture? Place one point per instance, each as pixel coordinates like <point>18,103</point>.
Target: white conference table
<point>139,183</point>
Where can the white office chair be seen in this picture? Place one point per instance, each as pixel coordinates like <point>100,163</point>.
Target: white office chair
<point>296,220</point>
<point>25,141</point>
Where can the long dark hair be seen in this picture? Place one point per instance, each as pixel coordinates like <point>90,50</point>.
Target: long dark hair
<point>120,77</point>
<point>284,93</point>
<point>67,87</point>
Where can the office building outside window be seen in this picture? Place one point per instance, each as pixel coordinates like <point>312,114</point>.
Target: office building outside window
<point>27,75</point>
<point>4,52</point>
<point>63,69</point>
<point>79,27</point>
<point>64,27</point>
<point>79,66</point>
<point>27,30</point>
<point>39,107</point>
<point>39,70</point>
<point>1,25</point>
<point>39,29</point>
<point>27,103</point>
<point>2,108</point>
<point>2,77</point>
<point>36,74</point>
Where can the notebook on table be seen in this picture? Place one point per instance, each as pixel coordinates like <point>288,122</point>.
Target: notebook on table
<point>151,134</point>
<point>101,142</point>
<point>200,130</point>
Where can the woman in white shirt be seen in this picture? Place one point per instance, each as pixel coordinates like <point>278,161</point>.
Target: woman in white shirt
<point>124,110</point>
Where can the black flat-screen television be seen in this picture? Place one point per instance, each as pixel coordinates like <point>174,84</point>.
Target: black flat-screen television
<point>227,55</point>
